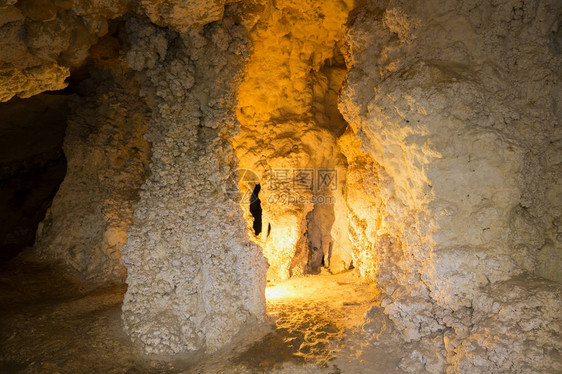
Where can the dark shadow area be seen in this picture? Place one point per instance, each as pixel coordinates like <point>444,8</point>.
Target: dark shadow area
<point>48,324</point>
<point>32,130</point>
<point>32,165</point>
<point>255,209</point>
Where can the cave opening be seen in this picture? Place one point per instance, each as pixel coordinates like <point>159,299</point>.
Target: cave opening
<point>299,146</point>
<point>256,211</point>
<point>32,166</point>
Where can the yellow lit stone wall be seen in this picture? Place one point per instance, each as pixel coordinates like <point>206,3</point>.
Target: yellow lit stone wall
<point>282,107</point>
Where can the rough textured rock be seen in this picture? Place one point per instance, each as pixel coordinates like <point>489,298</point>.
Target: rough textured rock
<point>515,328</point>
<point>182,14</point>
<point>87,223</point>
<point>449,194</point>
<point>289,123</point>
<point>194,279</point>
<point>456,105</point>
<point>31,81</point>
<point>42,40</point>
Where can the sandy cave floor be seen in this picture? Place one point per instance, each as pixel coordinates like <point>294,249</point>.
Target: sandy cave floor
<point>50,325</point>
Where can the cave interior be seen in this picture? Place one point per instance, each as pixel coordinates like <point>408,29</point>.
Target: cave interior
<point>252,186</point>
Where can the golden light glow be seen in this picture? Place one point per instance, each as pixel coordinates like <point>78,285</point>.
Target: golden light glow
<point>291,42</point>
<point>313,312</point>
<point>336,289</point>
<point>280,292</point>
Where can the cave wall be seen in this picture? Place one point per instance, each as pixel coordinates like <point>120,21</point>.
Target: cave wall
<point>449,173</point>
<point>107,156</point>
<point>457,106</point>
<point>42,40</point>
<point>289,123</point>
<point>194,277</point>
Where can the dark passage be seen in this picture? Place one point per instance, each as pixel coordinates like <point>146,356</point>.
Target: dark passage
<point>32,165</point>
<point>255,209</point>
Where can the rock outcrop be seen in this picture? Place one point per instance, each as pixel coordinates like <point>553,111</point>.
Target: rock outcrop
<point>194,277</point>
<point>456,104</point>
<point>107,157</point>
<point>287,108</point>
<point>43,40</point>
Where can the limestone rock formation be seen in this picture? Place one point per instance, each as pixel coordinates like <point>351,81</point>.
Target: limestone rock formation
<point>106,154</point>
<point>42,40</point>
<point>440,120</point>
<point>194,277</point>
<point>183,14</point>
<point>289,126</point>
<point>516,327</point>
<point>445,100</point>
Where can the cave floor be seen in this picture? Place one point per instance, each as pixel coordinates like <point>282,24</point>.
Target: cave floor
<point>51,325</point>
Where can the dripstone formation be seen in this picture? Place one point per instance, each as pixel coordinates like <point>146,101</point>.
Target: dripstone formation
<point>441,120</point>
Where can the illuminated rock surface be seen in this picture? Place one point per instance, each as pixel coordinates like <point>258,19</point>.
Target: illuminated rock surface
<point>437,248</point>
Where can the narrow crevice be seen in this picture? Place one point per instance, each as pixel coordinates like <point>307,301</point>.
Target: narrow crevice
<point>256,210</point>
